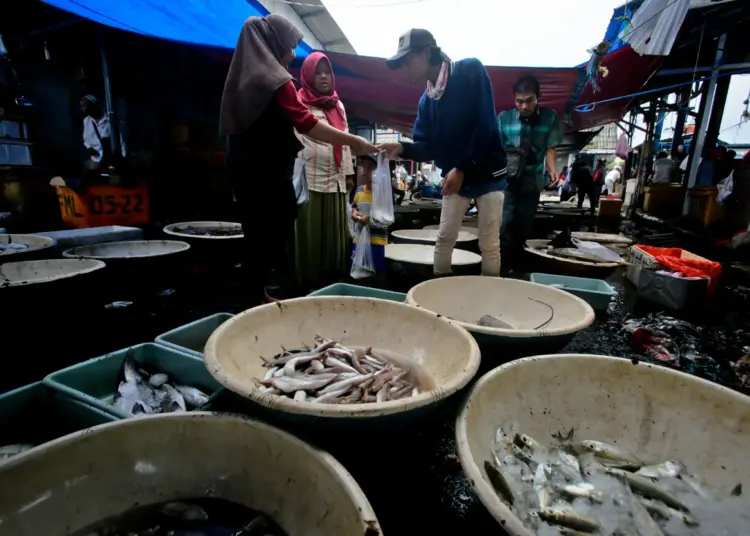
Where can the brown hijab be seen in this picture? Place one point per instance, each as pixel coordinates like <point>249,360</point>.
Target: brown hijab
<point>256,71</point>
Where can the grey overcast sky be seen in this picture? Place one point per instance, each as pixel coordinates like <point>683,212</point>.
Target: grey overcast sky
<point>533,33</point>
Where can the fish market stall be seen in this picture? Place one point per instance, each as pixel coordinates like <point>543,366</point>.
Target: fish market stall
<point>505,314</point>
<point>24,247</point>
<point>189,471</point>
<point>542,257</point>
<point>635,445</point>
<point>305,357</point>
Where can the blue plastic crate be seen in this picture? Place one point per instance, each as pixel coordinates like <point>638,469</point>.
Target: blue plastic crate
<point>36,414</point>
<point>95,381</point>
<point>344,289</point>
<point>596,292</point>
<point>192,338</point>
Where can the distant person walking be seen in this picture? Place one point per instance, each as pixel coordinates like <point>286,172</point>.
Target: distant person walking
<point>322,230</point>
<point>260,110</point>
<point>533,132</point>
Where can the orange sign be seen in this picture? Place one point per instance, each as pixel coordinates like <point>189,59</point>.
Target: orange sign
<point>104,205</point>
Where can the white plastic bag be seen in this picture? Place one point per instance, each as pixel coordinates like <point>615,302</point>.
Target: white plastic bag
<point>725,188</point>
<point>362,264</point>
<point>353,231</point>
<point>300,181</point>
<point>382,193</point>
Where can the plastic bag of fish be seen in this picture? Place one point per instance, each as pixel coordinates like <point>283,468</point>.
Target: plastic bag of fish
<point>576,487</point>
<point>144,393</point>
<point>331,373</point>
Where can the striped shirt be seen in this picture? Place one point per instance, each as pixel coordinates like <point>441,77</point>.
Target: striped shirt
<point>545,134</point>
<point>363,204</point>
<point>320,165</point>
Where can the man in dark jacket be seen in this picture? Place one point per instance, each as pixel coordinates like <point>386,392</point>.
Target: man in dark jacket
<point>456,128</point>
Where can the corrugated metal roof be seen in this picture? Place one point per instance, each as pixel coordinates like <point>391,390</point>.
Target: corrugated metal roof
<point>318,20</point>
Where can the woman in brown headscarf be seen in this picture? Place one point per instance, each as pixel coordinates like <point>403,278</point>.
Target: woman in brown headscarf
<point>260,110</point>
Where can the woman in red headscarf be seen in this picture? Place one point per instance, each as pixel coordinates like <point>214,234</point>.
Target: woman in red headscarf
<point>322,237</point>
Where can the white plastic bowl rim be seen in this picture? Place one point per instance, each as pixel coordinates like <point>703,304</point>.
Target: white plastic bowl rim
<point>35,243</point>
<point>430,235</point>
<point>77,267</point>
<point>496,507</point>
<point>344,478</point>
<point>79,252</point>
<point>174,229</point>
<point>373,409</point>
<point>574,327</point>
<point>472,230</point>
<point>530,247</point>
<point>424,255</point>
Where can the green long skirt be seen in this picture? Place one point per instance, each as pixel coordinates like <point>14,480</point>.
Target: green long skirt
<point>322,241</point>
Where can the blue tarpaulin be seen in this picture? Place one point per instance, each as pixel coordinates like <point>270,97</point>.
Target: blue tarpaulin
<point>214,23</point>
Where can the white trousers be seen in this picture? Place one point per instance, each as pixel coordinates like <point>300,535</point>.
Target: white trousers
<point>490,208</point>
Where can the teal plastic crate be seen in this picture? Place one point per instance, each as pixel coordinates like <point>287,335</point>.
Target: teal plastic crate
<point>95,382</point>
<point>192,338</point>
<point>36,414</point>
<point>344,289</point>
<point>596,292</point>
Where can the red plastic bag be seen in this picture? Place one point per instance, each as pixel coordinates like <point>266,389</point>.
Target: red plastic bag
<point>672,258</point>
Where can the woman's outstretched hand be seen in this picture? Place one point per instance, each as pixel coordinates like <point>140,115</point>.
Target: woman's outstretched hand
<point>392,150</point>
<point>362,146</point>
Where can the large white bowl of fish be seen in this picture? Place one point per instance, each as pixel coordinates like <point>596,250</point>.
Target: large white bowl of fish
<point>25,273</point>
<point>504,310</point>
<point>205,230</point>
<point>584,444</point>
<point>197,473</point>
<point>342,357</point>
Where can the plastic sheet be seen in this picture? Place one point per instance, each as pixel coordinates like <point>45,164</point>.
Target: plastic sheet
<point>655,25</point>
<point>672,258</point>
<point>362,263</point>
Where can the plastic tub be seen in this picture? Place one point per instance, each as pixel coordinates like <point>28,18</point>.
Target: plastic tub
<point>472,230</point>
<point>36,414</point>
<point>540,316</point>
<point>69,484</point>
<point>25,273</point>
<point>95,381</point>
<point>128,250</point>
<point>446,351</point>
<point>428,237</point>
<point>658,412</point>
<point>595,292</point>
<point>178,230</point>
<point>415,261</point>
<point>344,289</point>
<point>191,338</point>
<point>539,260</point>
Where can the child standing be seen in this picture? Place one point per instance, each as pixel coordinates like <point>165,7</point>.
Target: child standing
<point>361,208</point>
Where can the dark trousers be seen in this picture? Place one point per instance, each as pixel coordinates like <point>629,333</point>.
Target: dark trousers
<point>398,195</point>
<point>593,191</point>
<point>519,210</point>
<point>268,209</point>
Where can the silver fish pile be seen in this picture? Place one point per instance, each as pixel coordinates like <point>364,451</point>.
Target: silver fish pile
<point>574,253</point>
<point>591,487</point>
<point>331,373</point>
<point>141,393</point>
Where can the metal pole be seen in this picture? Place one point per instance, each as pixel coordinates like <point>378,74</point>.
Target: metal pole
<point>700,133</point>
<point>683,98</point>
<point>114,130</point>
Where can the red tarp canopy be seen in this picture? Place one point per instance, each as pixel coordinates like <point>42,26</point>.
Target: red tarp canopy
<point>372,91</point>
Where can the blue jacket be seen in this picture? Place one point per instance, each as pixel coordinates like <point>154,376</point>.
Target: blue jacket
<point>460,129</point>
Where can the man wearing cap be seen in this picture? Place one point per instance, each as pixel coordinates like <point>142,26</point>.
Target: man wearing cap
<point>456,128</point>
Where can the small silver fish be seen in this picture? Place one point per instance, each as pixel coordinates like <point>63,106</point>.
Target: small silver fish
<point>614,456</point>
<point>582,490</point>
<point>157,380</point>
<point>346,384</point>
<point>646,487</point>
<point>490,321</point>
<point>528,442</point>
<point>129,370</point>
<point>499,484</point>
<point>174,400</point>
<point>665,469</point>
<point>663,511</point>
<point>288,385</point>
<point>193,397</point>
<point>331,396</point>
<point>569,518</point>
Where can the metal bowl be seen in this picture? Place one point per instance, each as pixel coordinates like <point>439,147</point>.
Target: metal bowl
<point>657,412</point>
<point>179,230</point>
<point>127,250</point>
<point>26,273</point>
<point>37,247</point>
